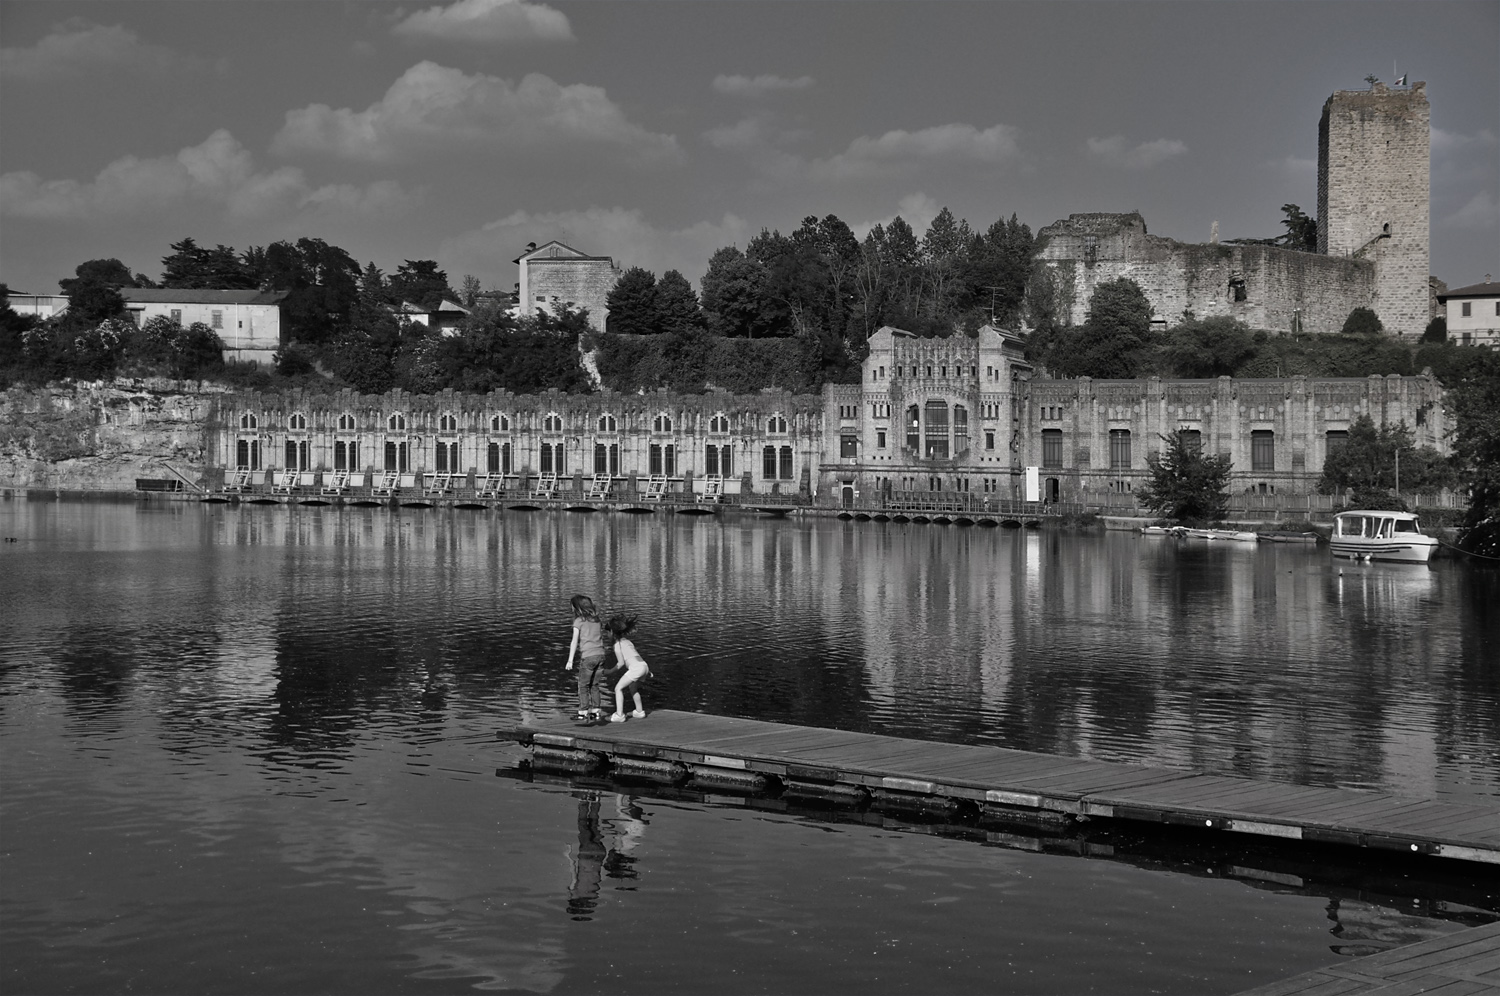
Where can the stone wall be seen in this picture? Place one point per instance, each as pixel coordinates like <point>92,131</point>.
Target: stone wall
<point>1263,286</point>
<point>103,436</point>
<point>583,282</point>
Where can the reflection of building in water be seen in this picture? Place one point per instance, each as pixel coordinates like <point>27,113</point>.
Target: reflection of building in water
<point>605,850</point>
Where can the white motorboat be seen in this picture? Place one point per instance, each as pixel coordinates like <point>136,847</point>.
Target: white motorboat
<point>1366,534</point>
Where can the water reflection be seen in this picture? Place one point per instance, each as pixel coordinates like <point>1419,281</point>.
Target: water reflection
<point>606,848</point>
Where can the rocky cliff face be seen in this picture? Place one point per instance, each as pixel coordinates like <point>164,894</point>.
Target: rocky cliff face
<point>102,436</point>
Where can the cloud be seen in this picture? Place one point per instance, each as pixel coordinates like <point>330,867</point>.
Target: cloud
<point>622,233</point>
<point>77,46</point>
<point>1480,213</point>
<point>431,110</point>
<point>916,209</point>
<point>487,21</point>
<point>903,151</point>
<point>758,86</point>
<point>218,171</point>
<point>1116,151</point>
<point>1451,141</point>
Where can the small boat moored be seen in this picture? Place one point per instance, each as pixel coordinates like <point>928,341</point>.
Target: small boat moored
<point>1366,534</point>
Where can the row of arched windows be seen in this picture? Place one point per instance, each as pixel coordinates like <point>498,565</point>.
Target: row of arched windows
<point>552,422</point>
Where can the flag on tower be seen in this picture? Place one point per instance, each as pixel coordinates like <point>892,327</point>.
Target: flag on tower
<point>1401,81</point>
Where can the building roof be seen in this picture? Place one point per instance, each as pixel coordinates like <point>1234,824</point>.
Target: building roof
<point>196,295</point>
<point>1486,289</point>
<point>541,253</point>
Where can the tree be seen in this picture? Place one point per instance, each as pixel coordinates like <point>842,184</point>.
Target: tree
<point>1365,465</point>
<point>732,290</point>
<point>1301,232</point>
<point>322,284</point>
<point>677,307</point>
<point>1362,321</point>
<point>632,303</point>
<point>105,272</point>
<point>1208,347</point>
<point>420,282</point>
<point>1436,330</point>
<point>1114,335</point>
<point>193,266</point>
<point>1185,483</point>
<point>1476,451</point>
<point>469,290</point>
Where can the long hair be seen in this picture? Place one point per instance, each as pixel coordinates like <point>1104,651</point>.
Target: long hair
<point>583,608</point>
<point>620,626</point>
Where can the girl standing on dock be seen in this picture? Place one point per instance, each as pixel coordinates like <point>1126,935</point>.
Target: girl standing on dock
<point>588,643</point>
<point>619,629</point>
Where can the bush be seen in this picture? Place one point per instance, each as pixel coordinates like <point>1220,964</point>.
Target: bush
<point>1362,321</point>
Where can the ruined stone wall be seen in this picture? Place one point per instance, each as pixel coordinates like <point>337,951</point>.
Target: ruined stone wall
<point>1263,286</point>
<point>1374,182</point>
<point>102,436</point>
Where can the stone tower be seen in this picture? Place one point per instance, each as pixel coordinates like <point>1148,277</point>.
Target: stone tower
<point>1374,180</point>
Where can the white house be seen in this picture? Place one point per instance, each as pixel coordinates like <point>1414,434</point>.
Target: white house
<point>40,305</point>
<point>1473,314</point>
<point>249,321</point>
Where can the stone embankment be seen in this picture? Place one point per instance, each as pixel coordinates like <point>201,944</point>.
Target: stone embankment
<point>103,436</point>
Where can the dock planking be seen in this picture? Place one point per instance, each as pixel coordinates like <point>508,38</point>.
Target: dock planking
<point>1040,781</point>
<point>1454,965</point>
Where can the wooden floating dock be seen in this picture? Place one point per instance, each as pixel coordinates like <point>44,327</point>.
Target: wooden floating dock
<point>858,768</point>
<point>1460,964</point>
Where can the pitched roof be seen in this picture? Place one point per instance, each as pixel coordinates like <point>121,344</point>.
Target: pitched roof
<point>548,251</point>
<point>1486,289</point>
<point>196,295</point>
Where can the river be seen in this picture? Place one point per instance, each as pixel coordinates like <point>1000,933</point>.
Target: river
<point>251,749</point>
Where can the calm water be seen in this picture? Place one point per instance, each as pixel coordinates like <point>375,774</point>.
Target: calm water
<point>251,750</point>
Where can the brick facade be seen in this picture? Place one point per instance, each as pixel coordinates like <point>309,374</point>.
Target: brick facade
<point>559,274</point>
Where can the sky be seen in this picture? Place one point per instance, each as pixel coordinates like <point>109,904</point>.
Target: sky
<point>659,132</point>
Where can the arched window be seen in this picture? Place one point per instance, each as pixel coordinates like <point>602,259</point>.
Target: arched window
<point>297,422</point>
<point>249,421</point>
<point>499,423</point>
<point>776,424</point>
<point>448,423</point>
<point>719,423</point>
<point>552,423</point>
<point>607,423</point>
<point>935,433</point>
<point>662,423</point>
<point>346,422</point>
<point>395,422</point>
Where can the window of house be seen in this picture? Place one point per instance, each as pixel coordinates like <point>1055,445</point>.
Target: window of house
<point>249,421</point>
<point>1052,449</point>
<point>397,457</point>
<point>608,423</point>
<point>552,423</point>
<point>1465,308</point>
<point>448,423</point>
<point>297,422</point>
<point>719,423</point>
<point>247,454</point>
<point>1262,450</point>
<point>346,422</point>
<point>785,469</point>
<point>768,463</point>
<point>848,445</point>
<point>1119,449</point>
<point>176,316</point>
<point>1191,439</point>
<point>497,458</point>
<point>345,455</point>
<point>216,319</point>
<point>1335,440</point>
<point>499,423</point>
<point>662,423</point>
<point>296,454</point>
<point>445,458</point>
<point>989,439</point>
<point>776,425</point>
<point>396,423</point>
<point>960,428</point>
<point>663,459</point>
<point>914,429</point>
<point>880,439</point>
<point>935,436</point>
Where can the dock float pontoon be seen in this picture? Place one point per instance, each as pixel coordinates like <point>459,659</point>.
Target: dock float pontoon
<point>849,768</point>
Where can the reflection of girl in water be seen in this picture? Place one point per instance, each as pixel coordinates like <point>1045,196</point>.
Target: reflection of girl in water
<point>604,848</point>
